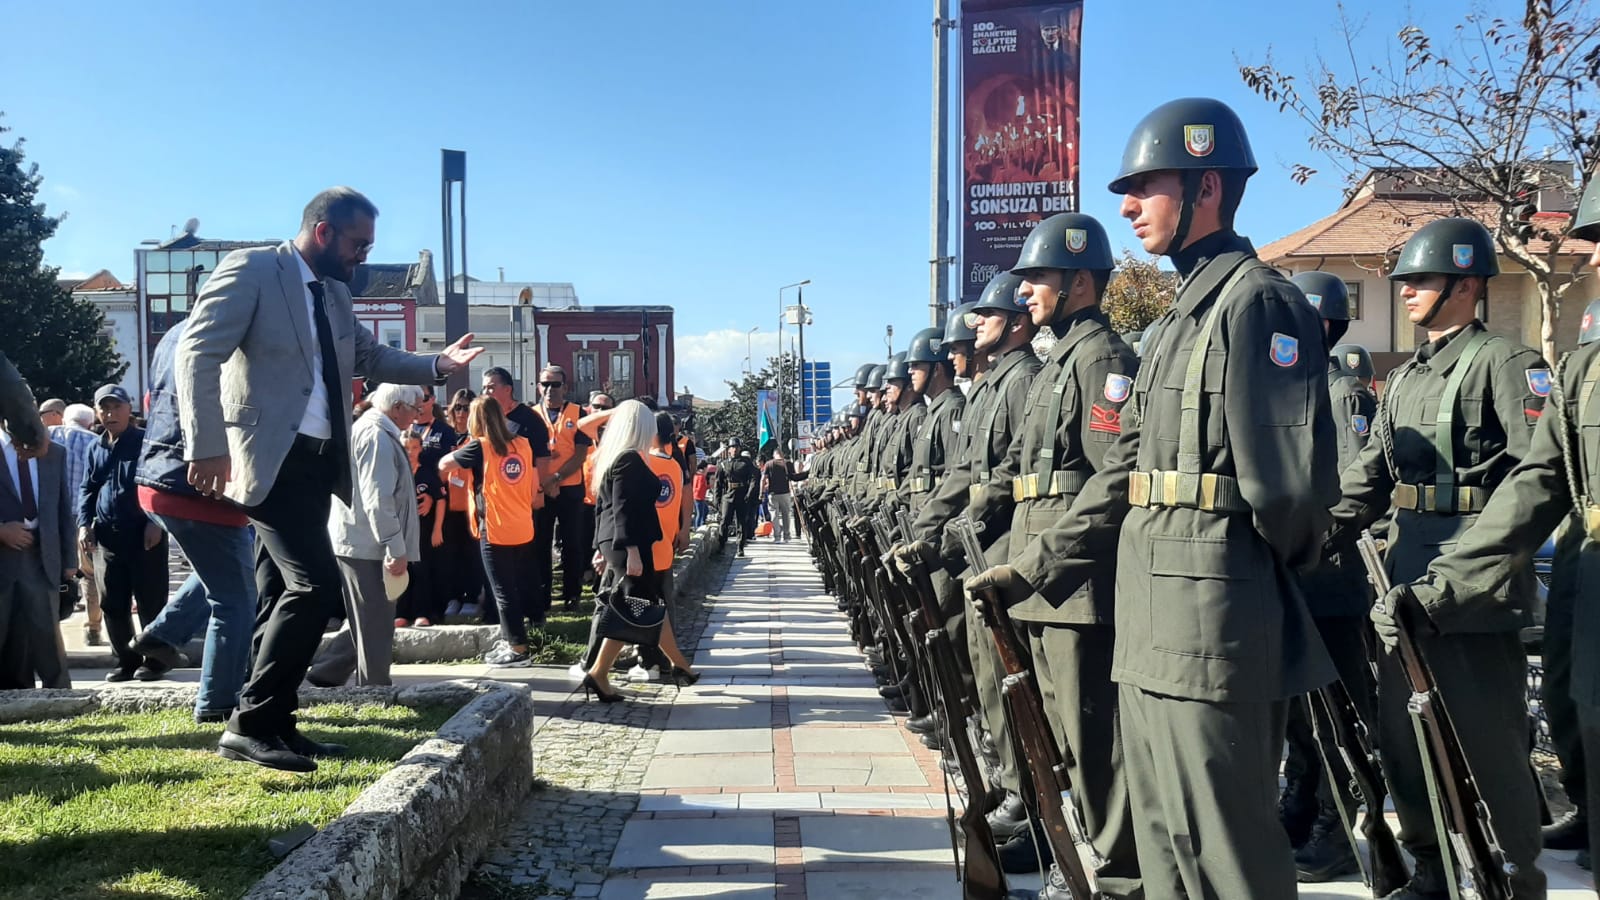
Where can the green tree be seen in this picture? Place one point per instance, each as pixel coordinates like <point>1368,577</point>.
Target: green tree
<point>1139,292</point>
<point>55,341</point>
<point>1491,115</point>
<point>737,417</point>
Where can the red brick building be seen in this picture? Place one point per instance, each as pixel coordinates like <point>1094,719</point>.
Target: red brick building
<point>624,350</point>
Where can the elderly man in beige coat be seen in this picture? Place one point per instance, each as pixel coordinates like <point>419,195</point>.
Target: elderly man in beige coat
<point>264,375</point>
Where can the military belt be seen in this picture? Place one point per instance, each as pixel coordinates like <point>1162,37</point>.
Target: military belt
<point>1591,522</point>
<point>887,483</point>
<point>1423,498</point>
<point>1060,482</point>
<point>1208,492</point>
<point>921,485</point>
<point>973,490</point>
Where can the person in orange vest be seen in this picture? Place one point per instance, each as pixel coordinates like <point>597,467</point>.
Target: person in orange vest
<point>505,479</point>
<point>592,424</point>
<point>564,492</point>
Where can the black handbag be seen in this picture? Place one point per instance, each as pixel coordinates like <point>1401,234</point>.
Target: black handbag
<point>67,601</point>
<point>631,620</point>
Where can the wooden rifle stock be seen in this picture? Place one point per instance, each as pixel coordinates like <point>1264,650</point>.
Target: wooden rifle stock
<point>1474,861</point>
<point>1047,760</point>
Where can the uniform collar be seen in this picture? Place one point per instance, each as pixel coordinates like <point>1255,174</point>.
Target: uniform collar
<point>1201,273</point>
<point>1443,353</point>
<point>1008,361</point>
<point>943,399</point>
<point>1088,317</point>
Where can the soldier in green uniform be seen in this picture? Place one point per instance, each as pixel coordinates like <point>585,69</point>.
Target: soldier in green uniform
<point>738,486</point>
<point>1354,360</point>
<point>1337,592</point>
<point>1455,420</point>
<point>1216,491</point>
<point>993,418</point>
<point>894,449</point>
<point>913,414</point>
<point>1073,415</point>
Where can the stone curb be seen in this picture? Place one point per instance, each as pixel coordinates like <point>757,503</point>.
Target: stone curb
<point>416,832</point>
<point>62,703</point>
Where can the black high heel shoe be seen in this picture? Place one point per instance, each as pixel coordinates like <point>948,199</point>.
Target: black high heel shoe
<point>684,677</point>
<point>590,686</point>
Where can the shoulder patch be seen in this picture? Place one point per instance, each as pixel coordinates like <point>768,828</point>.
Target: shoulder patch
<point>1539,382</point>
<point>1104,419</point>
<point>1316,300</point>
<point>1117,387</point>
<point>1360,424</point>
<point>1285,350</point>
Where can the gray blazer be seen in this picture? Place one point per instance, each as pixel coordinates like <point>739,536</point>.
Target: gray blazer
<point>244,366</point>
<point>57,536</point>
<point>383,517</point>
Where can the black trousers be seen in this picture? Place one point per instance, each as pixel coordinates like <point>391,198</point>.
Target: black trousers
<point>646,586</point>
<point>129,573</point>
<point>509,568</point>
<point>564,510</point>
<point>429,590</point>
<point>463,576</point>
<point>299,584</point>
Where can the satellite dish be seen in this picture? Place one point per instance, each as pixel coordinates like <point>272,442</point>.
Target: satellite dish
<point>191,226</point>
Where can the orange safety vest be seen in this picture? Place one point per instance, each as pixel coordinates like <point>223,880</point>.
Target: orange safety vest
<point>563,438</point>
<point>509,485</point>
<point>669,507</point>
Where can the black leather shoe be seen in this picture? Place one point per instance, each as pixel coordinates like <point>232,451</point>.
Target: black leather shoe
<point>1024,854</point>
<point>922,725</point>
<point>933,741</point>
<point>1009,819</point>
<point>160,651</point>
<point>125,673</point>
<point>897,707</point>
<point>152,670</point>
<point>895,691</point>
<point>1570,832</point>
<point>1327,854</point>
<point>305,746</point>
<point>271,753</point>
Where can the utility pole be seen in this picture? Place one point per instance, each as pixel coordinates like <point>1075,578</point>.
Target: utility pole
<point>938,260</point>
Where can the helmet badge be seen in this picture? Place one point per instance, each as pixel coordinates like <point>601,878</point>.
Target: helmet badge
<point>1352,361</point>
<point>1316,300</point>
<point>1199,140</point>
<point>1077,239</point>
<point>1461,255</point>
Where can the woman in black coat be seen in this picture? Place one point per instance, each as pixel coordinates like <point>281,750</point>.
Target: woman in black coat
<point>626,524</point>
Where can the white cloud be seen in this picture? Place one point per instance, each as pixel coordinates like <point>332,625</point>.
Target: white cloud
<point>706,361</point>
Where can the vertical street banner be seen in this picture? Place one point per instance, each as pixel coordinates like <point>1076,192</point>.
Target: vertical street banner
<point>1019,127</point>
<point>766,417</point>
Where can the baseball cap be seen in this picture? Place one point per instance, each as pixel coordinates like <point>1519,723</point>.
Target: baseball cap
<point>111,392</point>
<point>53,405</point>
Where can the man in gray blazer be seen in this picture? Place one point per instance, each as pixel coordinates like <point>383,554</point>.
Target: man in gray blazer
<point>37,553</point>
<point>264,374</point>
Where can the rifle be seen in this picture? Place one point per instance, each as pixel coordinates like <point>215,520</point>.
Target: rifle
<point>1347,753</point>
<point>982,877</point>
<point>1047,760</point>
<point>1474,861</point>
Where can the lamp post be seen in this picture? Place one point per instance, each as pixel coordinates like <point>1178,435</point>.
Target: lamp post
<point>780,354</point>
<point>748,337</point>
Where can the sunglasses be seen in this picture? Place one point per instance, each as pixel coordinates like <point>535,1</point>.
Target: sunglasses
<point>458,409</point>
<point>551,383</point>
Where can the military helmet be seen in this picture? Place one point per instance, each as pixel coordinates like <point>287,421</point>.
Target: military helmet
<point>1586,221</point>
<point>863,375</point>
<point>897,368</point>
<point>1452,246</point>
<point>1353,359</point>
<point>1195,133</point>
<point>875,380</point>
<point>1327,293</point>
<point>1590,330</point>
<point>927,346</point>
<point>1000,294</point>
<point>961,325</point>
<point>1066,241</point>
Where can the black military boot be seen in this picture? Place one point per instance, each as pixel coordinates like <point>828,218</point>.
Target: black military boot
<point>1297,807</point>
<point>1009,819</point>
<point>1427,882</point>
<point>1025,853</point>
<point>1570,832</point>
<point>1327,854</point>
<point>898,689</point>
<point>924,724</point>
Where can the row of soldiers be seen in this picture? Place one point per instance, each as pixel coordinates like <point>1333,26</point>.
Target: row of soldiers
<point>1170,542</point>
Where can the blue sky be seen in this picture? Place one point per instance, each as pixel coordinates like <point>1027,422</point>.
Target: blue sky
<point>697,154</point>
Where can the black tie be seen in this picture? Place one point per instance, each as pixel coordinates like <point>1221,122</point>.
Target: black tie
<point>30,505</point>
<point>330,359</point>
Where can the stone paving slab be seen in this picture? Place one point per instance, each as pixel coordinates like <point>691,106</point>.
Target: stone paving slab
<point>715,740</point>
<point>754,770</point>
<point>818,739</point>
<point>806,713</point>
<point>648,843</point>
<point>882,801</point>
<point>724,887</point>
<point>853,770</point>
<point>863,838</point>
<point>704,716</point>
<point>884,883</point>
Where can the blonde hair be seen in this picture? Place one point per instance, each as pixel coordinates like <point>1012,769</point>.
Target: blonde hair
<point>486,422</point>
<point>631,429</point>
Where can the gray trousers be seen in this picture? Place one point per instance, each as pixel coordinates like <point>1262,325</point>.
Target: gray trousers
<point>1203,780</point>
<point>782,514</point>
<point>30,641</point>
<point>365,646</point>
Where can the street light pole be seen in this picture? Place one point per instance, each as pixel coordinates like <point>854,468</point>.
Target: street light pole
<point>748,336</point>
<point>780,354</point>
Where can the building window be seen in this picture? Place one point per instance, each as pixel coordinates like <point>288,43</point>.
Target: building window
<point>1354,287</point>
<point>622,368</point>
<point>586,366</point>
<point>393,334</point>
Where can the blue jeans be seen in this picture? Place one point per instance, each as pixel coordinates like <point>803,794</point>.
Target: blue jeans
<point>222,588</point>
<point>701,509</point>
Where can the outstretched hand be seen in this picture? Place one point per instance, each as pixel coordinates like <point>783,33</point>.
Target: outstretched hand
<point>458,355</point>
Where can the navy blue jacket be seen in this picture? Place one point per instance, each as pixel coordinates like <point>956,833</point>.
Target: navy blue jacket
<point>109,501</point>
<point>162,465</point>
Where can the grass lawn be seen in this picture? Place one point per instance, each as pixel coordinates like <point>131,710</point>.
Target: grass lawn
<point>140,806</point>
